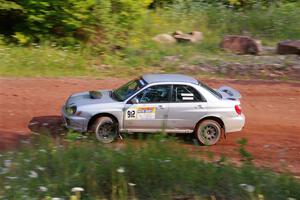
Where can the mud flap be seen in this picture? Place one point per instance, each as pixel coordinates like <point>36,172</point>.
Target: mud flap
<point>223,134</point>
<point>120,136</point>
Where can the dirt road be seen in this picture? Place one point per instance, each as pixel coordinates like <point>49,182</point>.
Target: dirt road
<point>272,110</point>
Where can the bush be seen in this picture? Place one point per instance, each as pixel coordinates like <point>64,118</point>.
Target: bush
<point>115,24</point>
<point>158,169</point>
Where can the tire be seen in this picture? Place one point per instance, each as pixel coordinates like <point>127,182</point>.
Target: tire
<point>208,132</point>
<point>105,129</point>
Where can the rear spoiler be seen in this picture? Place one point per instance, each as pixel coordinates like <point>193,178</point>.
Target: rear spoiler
<point>229,93</point>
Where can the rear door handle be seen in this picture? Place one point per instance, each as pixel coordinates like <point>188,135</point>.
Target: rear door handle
<point>161,107</point>
<point>199,106</point>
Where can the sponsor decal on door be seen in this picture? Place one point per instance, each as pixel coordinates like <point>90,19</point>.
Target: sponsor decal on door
<point>140,113</point>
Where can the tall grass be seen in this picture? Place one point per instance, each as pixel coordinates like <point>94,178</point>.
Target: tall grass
<point>44,60</point>
<point>270,24</point>
<point>156,170</point>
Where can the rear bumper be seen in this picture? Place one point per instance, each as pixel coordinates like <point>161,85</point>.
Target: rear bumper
<point>234,124</point>
<point>76,123</point>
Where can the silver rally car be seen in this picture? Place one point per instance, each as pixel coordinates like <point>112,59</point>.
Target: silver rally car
<point>154,102</point>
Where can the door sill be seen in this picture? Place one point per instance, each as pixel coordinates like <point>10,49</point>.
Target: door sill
<point>157,130</point>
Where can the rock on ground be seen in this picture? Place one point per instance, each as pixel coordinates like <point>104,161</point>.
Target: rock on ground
<point>192,37</point>
<point>289,47</point>
<point>241,44</point>
<point>164,38</point>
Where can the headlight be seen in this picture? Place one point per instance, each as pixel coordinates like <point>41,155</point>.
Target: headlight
<point>71,110</point>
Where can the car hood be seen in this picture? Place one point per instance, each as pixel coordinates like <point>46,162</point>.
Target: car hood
<point>91,97</point>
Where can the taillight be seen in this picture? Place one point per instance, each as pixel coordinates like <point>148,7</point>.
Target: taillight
<point>238,109</point>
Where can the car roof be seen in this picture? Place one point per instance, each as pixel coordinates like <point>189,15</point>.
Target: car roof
<point>155,78</point>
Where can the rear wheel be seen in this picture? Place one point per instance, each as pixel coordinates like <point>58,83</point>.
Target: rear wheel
<point>208,132</point>
<point>105,129</point>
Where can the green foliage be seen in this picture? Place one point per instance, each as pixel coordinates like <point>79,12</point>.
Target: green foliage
<point>9,5</point>
<point>66,18</point>
<point>159,170</point>
<point>61,20</point>
<point>21,38</point>
<point>73,136</point>
<point>246,156</point>
<point>115,20</point>
<point>109,25</point>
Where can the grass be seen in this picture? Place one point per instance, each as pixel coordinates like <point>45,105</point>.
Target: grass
<point>141,54</point>
<point>157,170</point>
<point>51,61</point>
<point>42,61</point>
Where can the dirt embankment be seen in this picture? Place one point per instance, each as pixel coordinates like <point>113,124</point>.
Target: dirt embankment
<point>272,112</point>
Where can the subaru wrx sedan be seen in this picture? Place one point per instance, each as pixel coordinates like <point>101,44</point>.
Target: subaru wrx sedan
<point>173,103</point>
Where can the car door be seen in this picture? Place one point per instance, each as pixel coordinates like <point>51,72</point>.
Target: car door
<point>148,110</point>
<point>186,108</point>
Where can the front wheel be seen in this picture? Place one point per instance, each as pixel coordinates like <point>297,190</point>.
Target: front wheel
<point>105,129</point>
<point>208,132</point>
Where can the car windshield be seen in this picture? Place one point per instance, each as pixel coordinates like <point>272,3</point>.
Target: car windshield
<point>125,91</point>
<point>214,92</point>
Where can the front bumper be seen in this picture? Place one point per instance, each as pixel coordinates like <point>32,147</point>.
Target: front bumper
<point>234,124</point>
<point>73,122</point>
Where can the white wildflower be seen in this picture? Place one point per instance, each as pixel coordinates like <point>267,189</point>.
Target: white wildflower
<point>246,187</point>
<point>11,177</point>
<point>77,189</point>
<point>121,170</point>
<point>25,141</point>
<point>7,163</point>
<point>42,150</point>
<point>40,168</point>
<point>3,170</point>
<point>7,187</point>
<point>27,160</point>
<point>43,189</point>
<point>291,198</point>
<point>131,184</point>
<point>56,198</point>
<point>33,174</point>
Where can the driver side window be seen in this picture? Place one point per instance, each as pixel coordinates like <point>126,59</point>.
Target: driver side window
<point>155,94</point>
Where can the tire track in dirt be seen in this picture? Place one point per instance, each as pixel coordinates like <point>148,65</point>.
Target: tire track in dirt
<point>272,112</point>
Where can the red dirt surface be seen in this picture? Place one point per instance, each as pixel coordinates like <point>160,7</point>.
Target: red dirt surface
<point>272,112</point>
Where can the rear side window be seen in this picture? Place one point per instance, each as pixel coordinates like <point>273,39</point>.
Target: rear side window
<point>185,93</point>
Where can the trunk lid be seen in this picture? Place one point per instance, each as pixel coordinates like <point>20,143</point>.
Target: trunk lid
<point>229,93</point>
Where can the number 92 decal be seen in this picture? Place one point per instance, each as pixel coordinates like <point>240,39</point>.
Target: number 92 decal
<point>131,114</point>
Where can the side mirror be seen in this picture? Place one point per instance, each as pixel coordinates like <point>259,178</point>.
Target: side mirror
<point>134,100</point>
